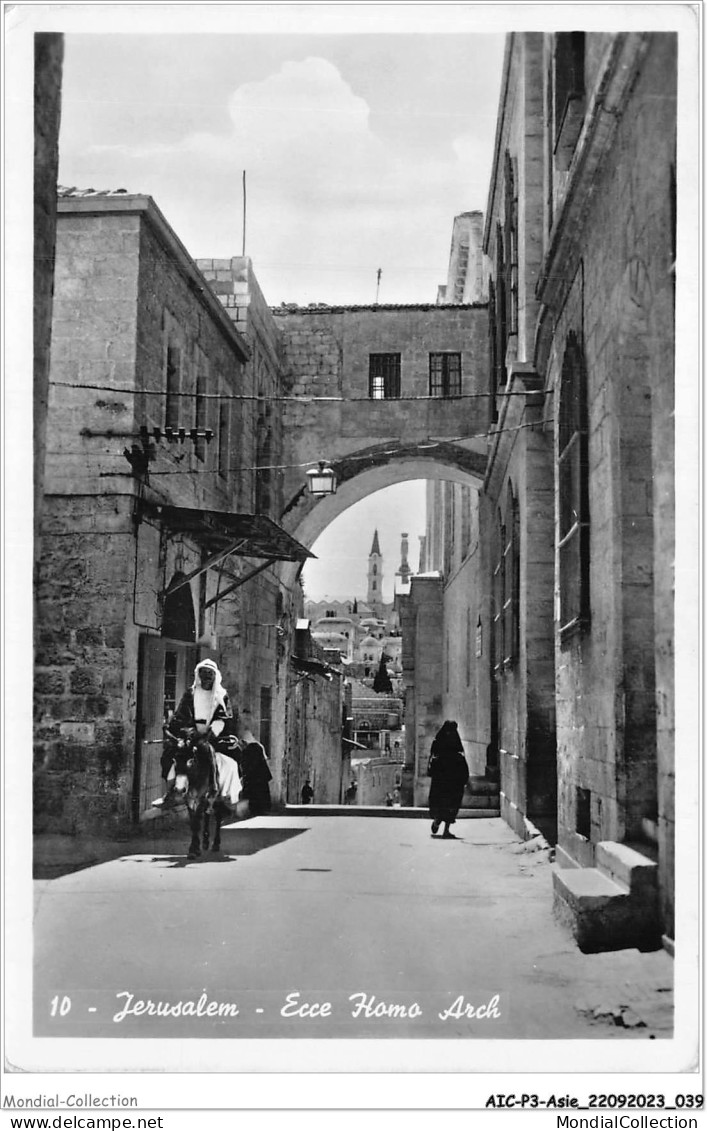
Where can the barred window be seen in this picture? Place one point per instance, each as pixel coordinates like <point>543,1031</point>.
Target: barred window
<point>384,376</point>
<point>266,718</point>
<point>573,490</point>
<point>511,573</point>
<point>506,587</point>
<point>445,374</point>
<point>501,312</point>
<point>493,350</point>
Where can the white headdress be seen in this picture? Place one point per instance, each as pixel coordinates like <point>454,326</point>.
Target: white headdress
<point>208,700</point>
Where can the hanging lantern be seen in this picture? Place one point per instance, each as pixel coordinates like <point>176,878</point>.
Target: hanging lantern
<point>321,480</point>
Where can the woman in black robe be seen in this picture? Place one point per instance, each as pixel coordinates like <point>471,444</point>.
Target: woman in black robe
<point>255,773</point>
<point>449,772</point>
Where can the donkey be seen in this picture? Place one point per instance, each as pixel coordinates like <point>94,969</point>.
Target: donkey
<point>196,783</point>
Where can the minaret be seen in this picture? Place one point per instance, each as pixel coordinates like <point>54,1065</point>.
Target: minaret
<point>423,553</point>
<point>375,576</point>
<point>404,570</point>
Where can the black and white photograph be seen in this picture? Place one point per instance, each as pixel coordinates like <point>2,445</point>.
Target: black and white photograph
<point>352,456</point>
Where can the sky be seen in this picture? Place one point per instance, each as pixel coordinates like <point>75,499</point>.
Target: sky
<point>358,151</point>
<point>341,569</point>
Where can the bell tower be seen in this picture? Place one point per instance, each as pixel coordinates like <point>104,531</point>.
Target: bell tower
<point>374,596</point>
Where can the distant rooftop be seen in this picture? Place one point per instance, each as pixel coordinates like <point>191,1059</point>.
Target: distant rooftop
<point>324,308</point>
<point>63,192</point>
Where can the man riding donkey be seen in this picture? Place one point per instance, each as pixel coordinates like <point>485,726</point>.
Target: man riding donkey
<point>204,719</point>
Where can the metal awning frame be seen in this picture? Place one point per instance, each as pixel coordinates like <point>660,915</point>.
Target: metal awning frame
<point>238,582</point>
<point>259,537</point>
<point>214,560</point>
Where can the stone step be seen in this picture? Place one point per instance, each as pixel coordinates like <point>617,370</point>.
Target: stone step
<point>480,801</point>
<point>638,873</point>
<point>610,907</point>
<point>382,811</point>
<point>483,786</point>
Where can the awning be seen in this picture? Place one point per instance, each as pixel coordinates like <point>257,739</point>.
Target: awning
<point>245,535</point>
<point>224,534</point>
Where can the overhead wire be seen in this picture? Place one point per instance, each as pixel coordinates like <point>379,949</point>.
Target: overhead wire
<point>300,398</point>
<point>365,457</point>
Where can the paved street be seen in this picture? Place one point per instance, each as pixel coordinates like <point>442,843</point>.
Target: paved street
<point>346,926</point>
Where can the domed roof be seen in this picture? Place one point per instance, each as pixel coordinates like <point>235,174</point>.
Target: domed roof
<point>336,638</point>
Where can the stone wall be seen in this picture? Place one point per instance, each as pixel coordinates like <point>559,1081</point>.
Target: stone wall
<point>465,687</point>
<point>423,675</point>
<point>270,610</point>
<point>314,709</point>
<point>123,285</point>
<point>84,680</point>
<point>326,355</point>
<point>94,341</point>
<point>620,301</point>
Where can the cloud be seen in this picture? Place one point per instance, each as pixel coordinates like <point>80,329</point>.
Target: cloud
<point>323,188</point>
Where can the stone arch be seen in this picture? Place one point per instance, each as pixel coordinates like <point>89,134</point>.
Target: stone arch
<point>362,473</point>
<point>178,620</point>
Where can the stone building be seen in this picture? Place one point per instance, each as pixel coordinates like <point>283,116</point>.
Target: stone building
<point>573,604</point>
<point>466,273</point>
<point>315,748</point>
<point>157,542</point>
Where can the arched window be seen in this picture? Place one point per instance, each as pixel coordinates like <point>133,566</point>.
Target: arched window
<point>573,490</point>
<point>501,312</point>
<point>506,586</point>
<point>374,571</point>
<point>493,351</point>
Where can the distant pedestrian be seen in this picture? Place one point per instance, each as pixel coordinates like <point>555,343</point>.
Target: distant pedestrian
<point>307,793</point>
<point>449,772</point>
<point>389,800</point>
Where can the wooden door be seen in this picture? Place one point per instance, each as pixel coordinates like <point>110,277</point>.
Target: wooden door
<point>165,670</point>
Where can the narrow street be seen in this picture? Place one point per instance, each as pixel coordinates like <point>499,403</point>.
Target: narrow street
<point>331,926</point>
